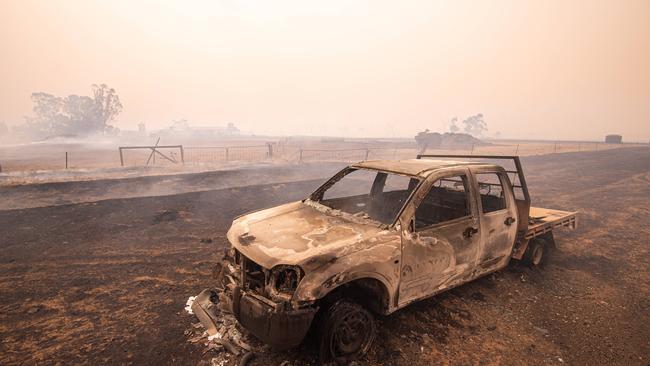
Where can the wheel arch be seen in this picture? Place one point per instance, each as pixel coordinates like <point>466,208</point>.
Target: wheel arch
<point>368,289</point>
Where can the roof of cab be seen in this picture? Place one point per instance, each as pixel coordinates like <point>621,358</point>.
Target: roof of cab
<point>414,167</point>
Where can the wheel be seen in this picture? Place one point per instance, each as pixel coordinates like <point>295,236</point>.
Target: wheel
<point>534,255</point>
<point>347,331</point>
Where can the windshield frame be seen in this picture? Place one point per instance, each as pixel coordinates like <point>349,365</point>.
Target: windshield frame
<point>317,195</point>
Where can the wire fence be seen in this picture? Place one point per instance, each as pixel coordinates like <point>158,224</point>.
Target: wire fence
<point>523,149</point>
<point>216,154</point>
<point>289,153</point>
<point>355,154</point>
<point>78,157</point>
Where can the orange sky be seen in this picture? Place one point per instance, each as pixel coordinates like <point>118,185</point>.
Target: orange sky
<point>535,69</point>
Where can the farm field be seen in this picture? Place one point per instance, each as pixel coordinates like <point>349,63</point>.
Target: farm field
<point>101,274</point>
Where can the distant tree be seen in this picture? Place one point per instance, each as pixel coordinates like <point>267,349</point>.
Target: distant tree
<point>107,104</point>
<point>453,128</point>
<point>47,115</point>
<point>426,139</point>
<point>75,115</point>
<point>475,125</point>
<point>81,116</point>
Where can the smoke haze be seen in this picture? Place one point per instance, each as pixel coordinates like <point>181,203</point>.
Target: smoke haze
<point>552,69</point>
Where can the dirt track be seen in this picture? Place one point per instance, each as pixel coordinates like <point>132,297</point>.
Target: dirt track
<point>106,282</point>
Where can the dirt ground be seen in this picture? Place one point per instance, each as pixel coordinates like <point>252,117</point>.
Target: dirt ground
<point>106,281</point>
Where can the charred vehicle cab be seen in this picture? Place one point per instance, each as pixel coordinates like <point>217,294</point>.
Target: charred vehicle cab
<point>374,238</point>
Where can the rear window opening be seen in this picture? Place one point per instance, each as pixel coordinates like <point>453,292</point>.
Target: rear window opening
<point>448,199</point>
<point>492,192</point>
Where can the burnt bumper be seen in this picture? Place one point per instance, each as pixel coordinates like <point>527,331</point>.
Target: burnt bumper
<point>270,322</point>
<point>205,309</point>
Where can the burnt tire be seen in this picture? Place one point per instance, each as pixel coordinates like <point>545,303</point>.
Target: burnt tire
<point>346,332</point>
<point>535,253</point>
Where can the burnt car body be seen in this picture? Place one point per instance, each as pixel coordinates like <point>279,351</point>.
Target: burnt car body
<point>395,233</point>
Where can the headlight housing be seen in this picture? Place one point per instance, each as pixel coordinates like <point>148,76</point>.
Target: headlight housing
<point>284,280</point>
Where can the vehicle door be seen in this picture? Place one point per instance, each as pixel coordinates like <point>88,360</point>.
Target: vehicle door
<point>440,235</point>
<point>498,218</point>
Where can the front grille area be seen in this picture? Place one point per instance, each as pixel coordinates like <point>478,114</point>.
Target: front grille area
<point>253,276</point>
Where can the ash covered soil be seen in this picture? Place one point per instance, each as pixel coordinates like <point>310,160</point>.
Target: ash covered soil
<point>106,281</point>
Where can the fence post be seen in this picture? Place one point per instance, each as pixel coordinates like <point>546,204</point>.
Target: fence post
<point>66,160</point>
<point>226,154</point>
<point>270,149</point>
<point>516,151</point>
<point>367,153</point>
<point>121,158</point>
<point>182,155</point>
<point>300,159</point>
<point>555,148</point>
<point>472,152</point>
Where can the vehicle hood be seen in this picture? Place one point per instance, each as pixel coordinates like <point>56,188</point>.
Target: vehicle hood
<point>299,233</point>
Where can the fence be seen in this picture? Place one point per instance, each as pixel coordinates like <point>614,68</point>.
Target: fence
<point>214,154</point>
<point>43,157</point>
<point>175,154</point>
<point>521,149</point>
<point>355,154</point>
<point>145,155</point>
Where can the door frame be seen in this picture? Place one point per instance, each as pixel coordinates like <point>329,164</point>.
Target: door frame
<point>407,220</point>
<point>509,211</point>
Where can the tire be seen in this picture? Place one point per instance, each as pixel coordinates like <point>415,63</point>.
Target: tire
<point>534,256</point>
<point>347,331</point>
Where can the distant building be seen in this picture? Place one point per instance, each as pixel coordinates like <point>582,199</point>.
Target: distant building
<point>182,128</point>
<point>614,139</point>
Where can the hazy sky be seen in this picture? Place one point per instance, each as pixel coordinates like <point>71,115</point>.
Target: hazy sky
<point>535,69</point>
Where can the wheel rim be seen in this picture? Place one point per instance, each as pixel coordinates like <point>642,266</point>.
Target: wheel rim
<point>537,255</point>
<point>351,335</point>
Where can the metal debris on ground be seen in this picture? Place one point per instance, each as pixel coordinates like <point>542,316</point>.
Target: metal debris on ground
<point>221,335</point>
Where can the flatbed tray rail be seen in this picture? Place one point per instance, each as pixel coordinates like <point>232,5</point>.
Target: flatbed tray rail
<point>544,220</point>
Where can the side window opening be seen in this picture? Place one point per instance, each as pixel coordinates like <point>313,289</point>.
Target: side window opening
<point>356,184</point>
<point>446,200</point>
<point>374,194</point>
<point>491,190</point>
<point>390,194</point>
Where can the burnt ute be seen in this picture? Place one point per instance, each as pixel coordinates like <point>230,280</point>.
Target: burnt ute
<point>374,238</point>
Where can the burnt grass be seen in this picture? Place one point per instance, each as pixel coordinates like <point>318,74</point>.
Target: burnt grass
<point>106,281</point>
